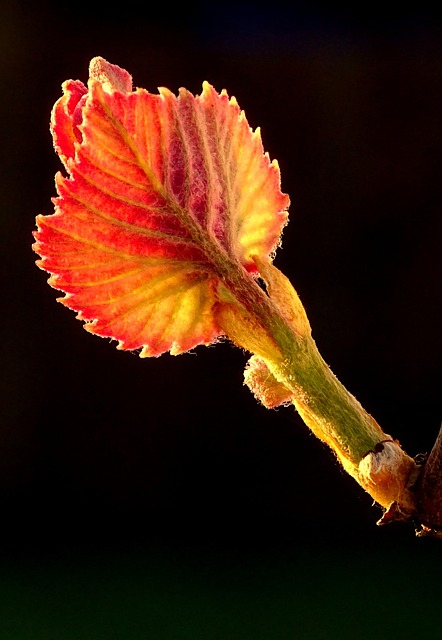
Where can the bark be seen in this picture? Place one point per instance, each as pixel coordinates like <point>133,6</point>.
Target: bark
<point>429,492</point>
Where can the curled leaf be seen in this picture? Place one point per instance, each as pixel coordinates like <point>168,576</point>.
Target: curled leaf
<point>263,384</point>
<point>164,195</point>
<point>281,291</point>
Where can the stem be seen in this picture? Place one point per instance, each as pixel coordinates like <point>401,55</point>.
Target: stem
<point>334,415</point>
<point>275,328</point>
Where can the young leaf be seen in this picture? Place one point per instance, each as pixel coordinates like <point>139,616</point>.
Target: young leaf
<point>164,197</point>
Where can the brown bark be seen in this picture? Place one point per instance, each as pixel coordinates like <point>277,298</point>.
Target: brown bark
<point>429,492</point>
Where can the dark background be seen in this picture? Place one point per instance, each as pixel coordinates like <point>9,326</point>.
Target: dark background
<point>156,498</point>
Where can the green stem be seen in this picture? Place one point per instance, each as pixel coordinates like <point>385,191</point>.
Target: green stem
<point>341,419</point>
<point>331,411</point>
<point>275,328</point>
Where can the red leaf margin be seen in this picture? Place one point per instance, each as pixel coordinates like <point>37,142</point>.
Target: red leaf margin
<point>164,195</point>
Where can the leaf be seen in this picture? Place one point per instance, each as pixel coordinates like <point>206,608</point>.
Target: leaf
<point>284,296</point>
<point>164,195</point>
<point>263,384</point>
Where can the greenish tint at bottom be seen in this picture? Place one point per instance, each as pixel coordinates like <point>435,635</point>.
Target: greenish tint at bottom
<point>311,593</point>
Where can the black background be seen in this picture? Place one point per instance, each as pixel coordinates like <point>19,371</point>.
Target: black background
<point>170,461</point>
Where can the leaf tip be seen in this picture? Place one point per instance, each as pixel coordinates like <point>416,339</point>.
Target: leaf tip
<point>110,76</point>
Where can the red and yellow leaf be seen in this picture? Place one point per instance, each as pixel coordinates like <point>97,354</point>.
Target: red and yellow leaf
<point>163,193</point>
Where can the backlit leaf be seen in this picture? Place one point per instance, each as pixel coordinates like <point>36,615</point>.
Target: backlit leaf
<point>163,194</point>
